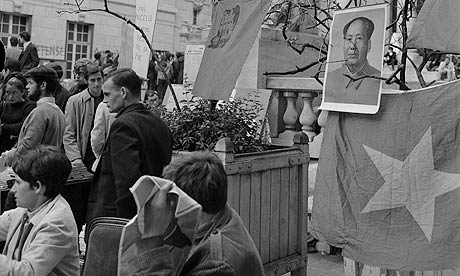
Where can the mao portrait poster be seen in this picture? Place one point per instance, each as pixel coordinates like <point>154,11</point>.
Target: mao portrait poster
<point>354,61</point>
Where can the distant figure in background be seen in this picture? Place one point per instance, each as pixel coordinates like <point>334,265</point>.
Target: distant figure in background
<point>152,74</point>
<point>62,94</point>
<point>165,71</point>
<point>2,55</point>
<point>98,59</point>
<point>107,58</point>
<point>151,99</point>
<point>13,51</point>
<point>446,70</point>
<point>79,75</point>
<point>390,58</point>
<point>29,57</point>
<point>178,68</point>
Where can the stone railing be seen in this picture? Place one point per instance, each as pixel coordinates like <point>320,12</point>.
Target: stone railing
<point>292,108</point>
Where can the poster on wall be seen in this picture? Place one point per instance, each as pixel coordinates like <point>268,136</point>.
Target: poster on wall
<point>354,62</point>
<point>192,61</point>
<point>146,13</point>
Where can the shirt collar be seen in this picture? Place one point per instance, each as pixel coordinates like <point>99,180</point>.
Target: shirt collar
<point>26,44</point>
<point>46,100</point>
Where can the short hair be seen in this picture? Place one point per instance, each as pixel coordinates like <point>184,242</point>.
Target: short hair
<point>97,55</point>
<point>56,67</point>
<point>25,35</point>
<point>14,41</point>
<point>47,164</point>
<point>80,66</point>
<point>92,69</point>
<point>367,23</point>
<point>42,74</point>
<point>16,79</point>
<point>202,176</point>
<point>126,77</point>
<point>12,64</point>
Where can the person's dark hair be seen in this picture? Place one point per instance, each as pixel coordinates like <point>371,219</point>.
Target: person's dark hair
<point>179,54</point>
<point>25,35</point>
<point>148,93</point>
<point>42,74</point>
<point>12,64</point>
<point>56,67</point>
<point>14,41</point>
<point>202,176</point>
<point>47,164</point>
<point>126,77</point>
<point>367,23</point>
<point>97,55</point>
<point>16,79</point>
<point>92,69</point>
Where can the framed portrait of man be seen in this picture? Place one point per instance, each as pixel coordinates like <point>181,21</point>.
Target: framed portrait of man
<point>355,60</point>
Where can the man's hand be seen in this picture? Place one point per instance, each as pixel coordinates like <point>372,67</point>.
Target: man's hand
<point>159,213</point>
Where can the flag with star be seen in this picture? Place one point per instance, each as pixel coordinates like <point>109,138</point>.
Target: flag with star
<point>388,185</point>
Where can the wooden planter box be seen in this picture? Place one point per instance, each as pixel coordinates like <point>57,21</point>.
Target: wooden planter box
<point>269,191</point>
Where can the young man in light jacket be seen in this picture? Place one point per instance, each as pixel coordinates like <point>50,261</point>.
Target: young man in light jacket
<point>41,234</point>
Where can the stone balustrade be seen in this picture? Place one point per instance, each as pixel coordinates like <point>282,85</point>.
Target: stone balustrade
<point>292,107</point>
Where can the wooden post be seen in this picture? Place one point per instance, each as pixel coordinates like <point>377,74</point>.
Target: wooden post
<point>301,141</point>
<point>225,150</point>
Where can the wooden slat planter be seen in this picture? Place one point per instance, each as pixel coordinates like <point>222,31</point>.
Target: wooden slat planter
<point>353,268</point>
<point>269,190</point>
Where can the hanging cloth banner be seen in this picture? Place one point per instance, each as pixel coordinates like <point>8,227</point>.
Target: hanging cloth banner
<point>146,14</point>
<point>235,24</point>
<point>437,27</point>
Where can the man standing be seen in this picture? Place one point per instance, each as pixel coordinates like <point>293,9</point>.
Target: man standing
<point>45,124</point>
<point>139,143</point>
<point>13,51</point>
<point>353,83</point>
<point>79,117</point>
<point>29,56</point>
<point>62,94</point>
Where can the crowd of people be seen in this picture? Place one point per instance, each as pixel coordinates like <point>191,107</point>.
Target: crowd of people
<point>165,66</point>
<point>102,124</point>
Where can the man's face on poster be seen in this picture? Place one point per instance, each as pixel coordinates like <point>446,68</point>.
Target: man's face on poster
<point>356,45</point>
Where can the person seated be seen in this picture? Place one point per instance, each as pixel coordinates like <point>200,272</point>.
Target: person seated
<point>221,245</point>
<point>390,58</point>
<point>41,233</point>
<point>446,70</point>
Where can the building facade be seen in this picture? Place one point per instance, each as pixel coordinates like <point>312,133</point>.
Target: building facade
<point>64,37</point>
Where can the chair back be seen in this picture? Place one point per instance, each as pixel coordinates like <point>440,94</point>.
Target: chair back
<point>104,235</point>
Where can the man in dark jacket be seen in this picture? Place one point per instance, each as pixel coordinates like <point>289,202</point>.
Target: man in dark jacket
<point>2,56</point>
<point>139,143</point>
<point>29,57</point>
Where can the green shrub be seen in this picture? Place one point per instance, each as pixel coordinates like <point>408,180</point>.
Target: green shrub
<point>201,123</point>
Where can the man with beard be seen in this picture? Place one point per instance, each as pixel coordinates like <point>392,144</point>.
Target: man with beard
<point>45,124</point>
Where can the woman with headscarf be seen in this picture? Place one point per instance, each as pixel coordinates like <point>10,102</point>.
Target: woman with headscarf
<point>13,110</point>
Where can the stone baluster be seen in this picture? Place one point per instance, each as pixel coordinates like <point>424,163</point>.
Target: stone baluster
<point>290,116</point>
<point>322,118</point>
<point>308,116</point>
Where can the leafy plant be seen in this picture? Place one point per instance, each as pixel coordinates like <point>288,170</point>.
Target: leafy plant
<point>201,123</point>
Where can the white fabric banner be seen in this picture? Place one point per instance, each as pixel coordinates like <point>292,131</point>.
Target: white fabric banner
<point>235,24</point>
<point>146,13</point>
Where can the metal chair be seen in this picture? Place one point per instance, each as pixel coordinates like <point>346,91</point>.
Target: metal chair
<point>104,235</point>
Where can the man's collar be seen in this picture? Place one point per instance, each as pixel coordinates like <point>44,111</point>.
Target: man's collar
<point>46,100</point>
<point>26,44</point>
<point>131,107</point>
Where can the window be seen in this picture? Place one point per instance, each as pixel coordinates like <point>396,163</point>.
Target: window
<point>79,42</point>
<point>12,25</point>
<point>196,12</point>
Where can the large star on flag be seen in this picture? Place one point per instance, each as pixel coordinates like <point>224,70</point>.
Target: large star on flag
<point>412,183</point>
